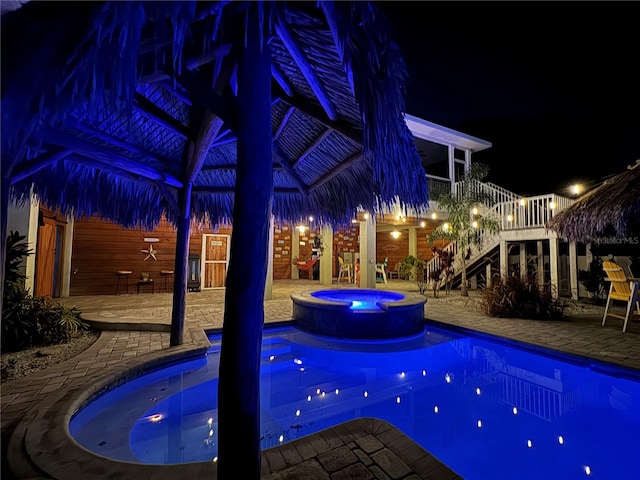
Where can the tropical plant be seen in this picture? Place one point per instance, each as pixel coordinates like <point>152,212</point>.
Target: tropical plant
<point>593,280</point>
<point>466,223</point>
<point>17,307</point>
<point>516,297</point>
<point>414,268</point>
<point>29,321</point>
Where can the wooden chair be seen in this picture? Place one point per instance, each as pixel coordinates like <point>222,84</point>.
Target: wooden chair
<point>345,269</point>
<point>395,273</point>
<point>621,289</point>
<point>381,270</point>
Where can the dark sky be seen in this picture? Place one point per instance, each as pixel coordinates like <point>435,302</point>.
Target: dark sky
<point>554,86</point>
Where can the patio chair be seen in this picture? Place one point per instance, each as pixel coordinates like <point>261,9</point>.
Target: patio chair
<point>395,273</point>
<point>621,289</point>
<point>345,269</point>
<point>381,270</point>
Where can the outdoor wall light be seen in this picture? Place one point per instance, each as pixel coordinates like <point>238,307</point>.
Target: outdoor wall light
<point>576,189</point>
<point>522,202</point>
<point>423,224</point>
<point>301,228</point>
<point>552,205</point>
<point>395,234</point>
<point>434,215</point>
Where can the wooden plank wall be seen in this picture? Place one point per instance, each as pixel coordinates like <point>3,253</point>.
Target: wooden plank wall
<point>101,248</point>
<point>282,258</point>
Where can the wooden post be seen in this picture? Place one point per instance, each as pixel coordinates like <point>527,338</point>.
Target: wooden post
<point>239,454</point>
<point>181,266</point>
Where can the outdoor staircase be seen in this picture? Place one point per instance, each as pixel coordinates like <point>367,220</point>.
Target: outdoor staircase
<point>512,212</point>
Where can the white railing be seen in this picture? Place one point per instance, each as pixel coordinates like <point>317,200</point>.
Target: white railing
<point>510,211</point>
<point>530,212</point>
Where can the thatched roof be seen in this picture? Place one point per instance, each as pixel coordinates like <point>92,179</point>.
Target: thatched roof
<point>613,208</point>
<point>103,101</point>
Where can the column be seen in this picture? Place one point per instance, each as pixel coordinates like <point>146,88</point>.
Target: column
<point>295,251</point>
<point>268,284</point>
<point>553,266</point>
<point>326,259</point>
<point>504,259</point>
<point>573,270</point>
<point>368,253</point>
<point>540,255</point>
<point>413,241</point>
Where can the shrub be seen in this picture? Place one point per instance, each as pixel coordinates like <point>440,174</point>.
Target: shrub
<point>413,268</point>
<point>29,321</point>
<point>593,280</point>
<point>515,297</point>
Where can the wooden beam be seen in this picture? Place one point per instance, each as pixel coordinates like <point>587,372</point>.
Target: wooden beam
<point>147,108</point>
<point>222,106</point>
<point>92,150</point>
<point>209,128</point>
<point>283,123</point>
<point>110,139</point>
<point>279,77</point>
<point>282,160</point>
<point>211,123</point>
<point>311,147</point>
<point>39,163</point>
<point>329,10</point>
<point>216,54</point>
<point>299,57</point>
<point>336,171</point>
<point>313,111</point>
<point>225,137</point>
<point>166,193</point>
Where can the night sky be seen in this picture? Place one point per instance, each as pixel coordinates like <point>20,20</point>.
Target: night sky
<point>552,85</point>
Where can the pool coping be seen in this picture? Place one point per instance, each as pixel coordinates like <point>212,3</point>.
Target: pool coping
<point>41,443</point>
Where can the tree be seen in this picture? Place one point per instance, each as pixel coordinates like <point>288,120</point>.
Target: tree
<point>468,219</point>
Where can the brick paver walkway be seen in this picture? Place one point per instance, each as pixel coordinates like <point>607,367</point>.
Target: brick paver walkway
<point>138,331</point>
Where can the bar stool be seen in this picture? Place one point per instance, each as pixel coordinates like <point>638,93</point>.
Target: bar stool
<point>165,274</point>
<point>123,274</point>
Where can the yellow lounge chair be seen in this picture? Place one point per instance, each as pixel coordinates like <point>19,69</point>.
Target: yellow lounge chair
<point>621,289</point>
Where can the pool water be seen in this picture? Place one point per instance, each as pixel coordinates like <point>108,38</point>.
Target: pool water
<point>360,300</point>
<point>487,409</point>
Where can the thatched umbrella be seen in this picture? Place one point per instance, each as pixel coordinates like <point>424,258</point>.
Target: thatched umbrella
<point>611,209</point>
<point>208,111</point>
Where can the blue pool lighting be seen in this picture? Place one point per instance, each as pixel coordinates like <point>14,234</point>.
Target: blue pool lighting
<point>488,409</point>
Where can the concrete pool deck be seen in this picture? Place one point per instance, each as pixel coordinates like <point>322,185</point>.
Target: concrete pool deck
<point>136,331</point>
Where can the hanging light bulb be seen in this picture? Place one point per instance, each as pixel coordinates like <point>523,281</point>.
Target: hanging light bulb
<point>395,234</point>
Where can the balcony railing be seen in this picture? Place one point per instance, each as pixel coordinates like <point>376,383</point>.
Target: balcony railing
<point>510,210</point>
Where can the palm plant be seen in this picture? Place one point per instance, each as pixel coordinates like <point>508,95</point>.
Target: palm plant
<point>466,223</point>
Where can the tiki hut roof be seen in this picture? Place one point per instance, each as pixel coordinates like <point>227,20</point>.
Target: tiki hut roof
<point>613,208</point>
<point>102,101</point>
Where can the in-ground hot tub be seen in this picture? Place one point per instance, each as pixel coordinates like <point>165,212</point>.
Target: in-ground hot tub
<point>359,313</point>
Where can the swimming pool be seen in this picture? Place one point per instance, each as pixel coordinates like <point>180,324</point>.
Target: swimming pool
<point>487,409</point>
<point>359,313</point>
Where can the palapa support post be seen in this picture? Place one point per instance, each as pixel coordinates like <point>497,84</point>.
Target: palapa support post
<point>239,382</point>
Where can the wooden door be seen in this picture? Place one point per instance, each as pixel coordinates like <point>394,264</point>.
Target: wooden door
<point>45,258</point>
<point>215,254</point>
